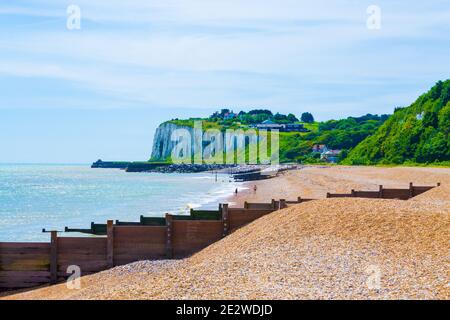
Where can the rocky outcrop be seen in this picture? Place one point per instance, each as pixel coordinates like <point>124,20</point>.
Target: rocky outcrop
<point>162,142</point>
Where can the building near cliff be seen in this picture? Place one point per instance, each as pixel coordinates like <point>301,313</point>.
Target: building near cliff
<point>282,127</point>
<point>331,156</point>
<point>321,148</point>
<point>230,115</point>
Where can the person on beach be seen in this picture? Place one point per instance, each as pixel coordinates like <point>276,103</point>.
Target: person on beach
<point>236,191</point>
<point>255,188</point>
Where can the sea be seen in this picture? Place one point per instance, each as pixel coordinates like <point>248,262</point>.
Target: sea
<point>36,197</point>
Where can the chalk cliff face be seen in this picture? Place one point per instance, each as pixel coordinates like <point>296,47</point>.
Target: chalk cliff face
<point>162,143</point>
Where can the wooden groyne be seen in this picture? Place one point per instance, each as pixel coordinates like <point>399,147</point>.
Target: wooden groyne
<point>26,265</point>
<point>385,193</point>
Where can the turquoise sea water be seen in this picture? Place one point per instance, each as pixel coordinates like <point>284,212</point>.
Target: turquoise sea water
<point>33,197</point>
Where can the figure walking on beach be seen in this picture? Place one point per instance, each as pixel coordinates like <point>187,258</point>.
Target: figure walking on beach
<point>255,188</point>
<point>236,191</point>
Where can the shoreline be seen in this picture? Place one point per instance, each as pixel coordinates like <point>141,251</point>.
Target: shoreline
<point>314,181</point>
<point>313,250</point>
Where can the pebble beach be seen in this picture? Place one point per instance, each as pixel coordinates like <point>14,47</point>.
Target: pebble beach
<point>325,249</point>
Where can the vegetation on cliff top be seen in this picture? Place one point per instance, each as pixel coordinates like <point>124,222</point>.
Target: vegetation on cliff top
<point>296,146</point>
<point>416,134</point>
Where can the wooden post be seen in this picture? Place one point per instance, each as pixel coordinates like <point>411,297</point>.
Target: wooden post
<point>169,241</point>
<point>438,184</point>
<point>328,194</point>
<point>411,190</point>
<point>225,219</point>
<point>353,193</point>
<point>380,192</point>
<point>245,205</point>
<point>299,199</point>
<point>110,243</point>
<point>273,204</point>
<point>282,204</point>
<point>54,257</point>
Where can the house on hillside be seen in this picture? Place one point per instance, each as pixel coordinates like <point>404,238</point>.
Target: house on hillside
<point>295,127</point>
<point>321,148</point>
<point>288,127</point>
<point>331,156</point>
<point>269,125</point>
<point>229,115</point>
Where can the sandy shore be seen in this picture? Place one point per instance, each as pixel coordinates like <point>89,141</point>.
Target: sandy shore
<point>315,181</point>
<point>325,249</point>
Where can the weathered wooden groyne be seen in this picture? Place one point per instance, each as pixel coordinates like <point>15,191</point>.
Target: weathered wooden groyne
<point>26,265</point>
<point>385,193</point>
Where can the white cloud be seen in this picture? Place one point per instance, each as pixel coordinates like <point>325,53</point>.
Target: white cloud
<point>210,52</point>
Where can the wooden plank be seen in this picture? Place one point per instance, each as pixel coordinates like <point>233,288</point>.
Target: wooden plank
<point>259,206</point>
<point>54,257</point>
<point>250,211</point>
<point>191,236</point>
<point>402,194</point>
<point>91,266</point>
<point>26,266</point>
<point>367,194</point>
<point>20,284</point>
<point>339,195</point>
<point>239,219</point>
<point>110,243</point>
<point>133,232</point>
<point>81,244</point>
<point>25,248</point>
<point>142,247</point>
<point>21,245</point>
<point>20,279</point>
<point>81,256</point>
<point>18,257</point>
<point>169,233</point>
<point>137,243</point>
<point>28,274</point>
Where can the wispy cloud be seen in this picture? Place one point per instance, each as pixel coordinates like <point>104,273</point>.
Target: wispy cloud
<point>205,53</point>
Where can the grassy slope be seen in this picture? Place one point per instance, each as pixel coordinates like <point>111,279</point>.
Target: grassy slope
<point>416,134</point>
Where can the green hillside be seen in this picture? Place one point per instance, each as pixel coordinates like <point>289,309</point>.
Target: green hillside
<point>415,134</point>
<point>343,134</point>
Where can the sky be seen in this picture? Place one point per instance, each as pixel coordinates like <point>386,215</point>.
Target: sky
<point>73,95</point>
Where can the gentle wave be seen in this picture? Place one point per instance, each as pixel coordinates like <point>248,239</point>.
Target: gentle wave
<point>33,197</point>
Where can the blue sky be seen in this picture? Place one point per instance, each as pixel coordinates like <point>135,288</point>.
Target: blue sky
<point>99,92</point>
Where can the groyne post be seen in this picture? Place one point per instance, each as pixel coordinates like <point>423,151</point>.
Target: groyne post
<point>282,204</point>
<point>380,191</point>
<point>225,219</point>
<point>299,199</point>
<point>169,236</point>
<point>53,257</point>
<point>110,243</point>
<point>411,190</point>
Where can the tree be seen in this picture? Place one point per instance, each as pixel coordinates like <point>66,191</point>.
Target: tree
<point>292,118</point>
<point>307,117</point>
